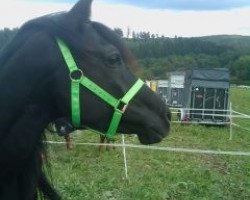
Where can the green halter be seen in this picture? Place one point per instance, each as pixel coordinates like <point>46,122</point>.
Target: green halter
<point>98,91</point>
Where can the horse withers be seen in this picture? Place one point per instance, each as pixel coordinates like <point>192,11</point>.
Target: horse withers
<point>65,66</point>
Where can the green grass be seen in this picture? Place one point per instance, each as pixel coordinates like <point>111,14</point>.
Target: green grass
<point>85,173</point>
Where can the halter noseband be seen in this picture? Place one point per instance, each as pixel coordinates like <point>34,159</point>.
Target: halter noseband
<point>77,78</point>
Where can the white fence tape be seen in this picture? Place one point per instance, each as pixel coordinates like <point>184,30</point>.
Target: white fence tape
<point>199,122</point>
<point>220,115</point>
<point>237,125</point>
<point>199,109</point>
<point>242,114</point>
<point>231,114</point>
<point>239,114</point>
<point>170,149</point>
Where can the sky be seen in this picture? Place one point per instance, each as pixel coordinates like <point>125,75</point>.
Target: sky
<point>186,18</point>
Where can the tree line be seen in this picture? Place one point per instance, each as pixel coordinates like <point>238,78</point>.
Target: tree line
<point>158,55</point>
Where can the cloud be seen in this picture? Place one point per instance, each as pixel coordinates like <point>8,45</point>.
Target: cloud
<point>171,22</point>
<point>15,12</point>
<point>184,4</point>
<point>158,21</point>
<point>173,4</point>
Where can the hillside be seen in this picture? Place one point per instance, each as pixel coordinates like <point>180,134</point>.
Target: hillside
<point>236,41</point>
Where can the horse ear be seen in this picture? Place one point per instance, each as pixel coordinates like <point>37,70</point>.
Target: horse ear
<point>81,11</point>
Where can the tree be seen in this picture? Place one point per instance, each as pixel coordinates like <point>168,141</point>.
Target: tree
<point>119,32</point>
<point>241,68</point>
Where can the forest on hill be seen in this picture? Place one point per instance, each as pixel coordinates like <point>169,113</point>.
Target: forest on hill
<point>158,55</point>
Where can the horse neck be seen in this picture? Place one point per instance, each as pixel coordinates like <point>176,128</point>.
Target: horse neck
<point>21,78</point>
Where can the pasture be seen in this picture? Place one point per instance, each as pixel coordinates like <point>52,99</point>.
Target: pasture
<point>85,173</point>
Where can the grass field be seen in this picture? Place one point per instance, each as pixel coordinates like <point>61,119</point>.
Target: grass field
<point>84,173</point>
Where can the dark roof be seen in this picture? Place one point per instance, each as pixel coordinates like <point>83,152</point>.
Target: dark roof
<point>216,74</point>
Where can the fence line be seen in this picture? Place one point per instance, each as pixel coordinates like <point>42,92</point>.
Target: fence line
<point>199,109</point>
<point>199,122</point>
<point>219,115</point>
<point>203,109</point>
<point>231,115</point>
<point>240,113</point>
<point>230,111</point>
<point>238,126</point>
<point>180,150</point>
<point>170,149</point>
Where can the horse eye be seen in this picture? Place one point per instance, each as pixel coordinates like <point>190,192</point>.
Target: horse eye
<point>114,60</point>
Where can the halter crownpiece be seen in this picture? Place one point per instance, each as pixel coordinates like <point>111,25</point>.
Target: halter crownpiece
<point>77,78</point>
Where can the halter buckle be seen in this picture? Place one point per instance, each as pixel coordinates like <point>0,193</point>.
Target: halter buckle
<point>121,107</point>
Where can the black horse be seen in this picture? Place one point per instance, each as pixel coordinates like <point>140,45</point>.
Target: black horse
<point>35,90</point>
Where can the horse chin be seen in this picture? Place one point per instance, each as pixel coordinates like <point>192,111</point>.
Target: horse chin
<point>150,136</point>
<point>147,136</point>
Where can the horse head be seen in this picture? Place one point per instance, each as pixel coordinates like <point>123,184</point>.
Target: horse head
<point>101,56</point>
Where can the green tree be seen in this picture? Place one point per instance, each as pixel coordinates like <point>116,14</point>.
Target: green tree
<point>119,32</point>
<point>241,68</point>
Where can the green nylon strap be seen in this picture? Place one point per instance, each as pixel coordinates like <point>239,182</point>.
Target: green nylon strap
<point>75,86</point>
<point>98,91</point>
<point>132,91</point>
<point>75,104</point>
<point>115,121</point>
<point>118,113</point>
<point>68,58</point>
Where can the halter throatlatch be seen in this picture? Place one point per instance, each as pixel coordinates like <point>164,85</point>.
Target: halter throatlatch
<point>77,78</point>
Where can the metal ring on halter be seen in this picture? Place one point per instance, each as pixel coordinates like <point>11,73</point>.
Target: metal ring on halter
<point>76,75</point>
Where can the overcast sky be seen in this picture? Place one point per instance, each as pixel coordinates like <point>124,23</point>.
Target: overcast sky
<point>163,17</point>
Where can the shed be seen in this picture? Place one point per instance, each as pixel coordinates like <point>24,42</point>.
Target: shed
<point>205,98</point>
<point>162,89</point>
<point>176,89</point>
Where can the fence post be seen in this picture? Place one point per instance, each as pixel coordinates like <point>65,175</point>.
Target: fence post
<point>231,122</point>
<point>124,156</point>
